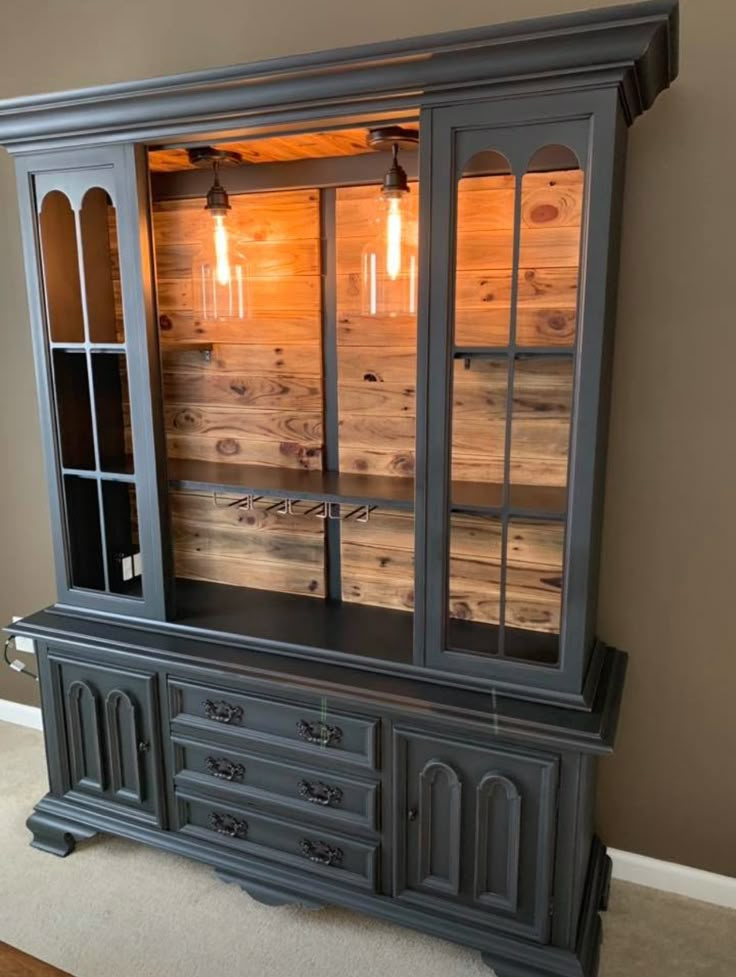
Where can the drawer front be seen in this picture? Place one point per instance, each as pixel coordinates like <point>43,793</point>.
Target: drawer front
<point>302,846</point>
<point>310,729</point>
<point>256,779</point>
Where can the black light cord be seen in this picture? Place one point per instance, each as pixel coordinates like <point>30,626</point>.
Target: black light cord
<point>23,669</point>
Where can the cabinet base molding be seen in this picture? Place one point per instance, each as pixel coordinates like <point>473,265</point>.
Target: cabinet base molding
<point>269,895</point>
<point>57,825</point>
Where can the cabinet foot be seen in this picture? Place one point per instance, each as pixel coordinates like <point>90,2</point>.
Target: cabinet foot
<point>56,835</point>
<point>606,887</point>
<point>268,895</point>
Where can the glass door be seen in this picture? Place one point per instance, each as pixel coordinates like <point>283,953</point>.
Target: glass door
<point>90,337</point>
<point>504,336</point>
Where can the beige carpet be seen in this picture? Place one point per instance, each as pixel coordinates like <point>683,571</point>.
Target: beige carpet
<point>115,909</point>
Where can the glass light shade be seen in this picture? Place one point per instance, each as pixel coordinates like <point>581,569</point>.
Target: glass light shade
<point>389,263</point>
<point>218,299</point>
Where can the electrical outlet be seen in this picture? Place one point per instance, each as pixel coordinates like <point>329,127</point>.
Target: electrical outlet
<point>28,645</point>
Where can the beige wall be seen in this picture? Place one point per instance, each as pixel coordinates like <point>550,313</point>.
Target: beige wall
<point>669,566</point>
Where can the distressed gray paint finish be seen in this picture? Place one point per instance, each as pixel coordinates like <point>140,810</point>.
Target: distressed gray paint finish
<point>420,786</point>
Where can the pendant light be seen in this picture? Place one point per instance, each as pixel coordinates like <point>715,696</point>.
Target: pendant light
<point>389,260</point>
<point>222,283</point>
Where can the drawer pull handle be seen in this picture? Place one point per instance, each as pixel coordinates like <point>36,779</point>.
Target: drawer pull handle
<point>224,769</point>
<point>321,853</point>
<point>222,712</point>
<point>319,733</point>
<point>319,793</point>
<point>226,824</point>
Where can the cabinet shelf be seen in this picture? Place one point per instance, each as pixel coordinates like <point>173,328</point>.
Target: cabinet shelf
<point>529,501</point>
<point>289,619</point>
<point>289,483</point>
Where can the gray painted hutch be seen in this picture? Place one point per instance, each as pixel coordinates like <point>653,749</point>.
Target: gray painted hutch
<point>326,505</point>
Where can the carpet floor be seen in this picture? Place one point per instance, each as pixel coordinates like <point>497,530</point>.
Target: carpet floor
<point>117,909</point>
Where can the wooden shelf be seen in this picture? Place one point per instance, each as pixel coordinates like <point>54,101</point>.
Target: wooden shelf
<point>292,483</point>
<point>303,622</point>
<point>486,498</point>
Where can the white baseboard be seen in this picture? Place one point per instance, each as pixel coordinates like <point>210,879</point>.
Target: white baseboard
<point>627,866</point>
<point>670,877</point>
<point>15,712</point>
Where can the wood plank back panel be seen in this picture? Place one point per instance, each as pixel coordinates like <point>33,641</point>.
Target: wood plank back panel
<point>258,400</point>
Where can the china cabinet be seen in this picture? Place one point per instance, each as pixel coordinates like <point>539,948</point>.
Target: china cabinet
<point>323,349</point>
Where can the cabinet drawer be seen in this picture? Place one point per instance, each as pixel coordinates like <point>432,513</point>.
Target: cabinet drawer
<point>302,846</point>
<point>311,728</point>
<point>245,776</point>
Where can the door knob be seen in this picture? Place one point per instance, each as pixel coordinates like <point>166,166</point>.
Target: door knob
<point>144,747</point>
<point>412,814</point>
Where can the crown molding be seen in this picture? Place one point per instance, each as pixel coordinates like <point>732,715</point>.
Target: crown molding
<point>633,45</point>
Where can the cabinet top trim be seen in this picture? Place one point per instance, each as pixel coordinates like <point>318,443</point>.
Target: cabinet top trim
<point>634,45</point>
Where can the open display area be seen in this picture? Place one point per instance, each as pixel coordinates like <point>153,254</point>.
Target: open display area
<point>291,391</point>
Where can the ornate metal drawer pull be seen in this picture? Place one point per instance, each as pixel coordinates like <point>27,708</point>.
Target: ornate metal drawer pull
<point>224,769</point>
<point>319,793</point>
<point>319,733</point>
<point>321,853</point>
<point>222,712</point>
<point>226,824</point>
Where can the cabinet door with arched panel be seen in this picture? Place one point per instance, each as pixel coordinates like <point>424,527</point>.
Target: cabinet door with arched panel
<point>518,262</point>
<point>474,830</point>
<point>93,323</point>
<point>106,722</point>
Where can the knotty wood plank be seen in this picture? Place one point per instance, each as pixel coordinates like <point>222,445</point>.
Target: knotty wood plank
<point>283,392</point>
<point>262,576</point>
<point>273,149</point>
<point>301,427</point>
<point>303,360</point>
<point>263,330</point>
<point>245,451</point>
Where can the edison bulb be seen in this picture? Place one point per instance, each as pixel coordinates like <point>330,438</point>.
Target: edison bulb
<point>393,238</point>
<point>222,255</point>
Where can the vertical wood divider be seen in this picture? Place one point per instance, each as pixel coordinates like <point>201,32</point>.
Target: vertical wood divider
<point>330,406</point>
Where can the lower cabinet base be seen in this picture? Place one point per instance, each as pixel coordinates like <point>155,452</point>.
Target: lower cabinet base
<point>57,825</point>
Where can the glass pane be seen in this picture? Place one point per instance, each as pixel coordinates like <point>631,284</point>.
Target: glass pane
<point>61,269</point>
<point>71,388</point>
<point>509,482</point>
<point>479,404</point>
<point>112,408</point>
<point>485,249</point>
<point>378,559</point>
<point>83,530</point>
<point>475,583</point>
<point>540,431</point>
<point>533,589</point>
<point>549,255</point>
<point>101,268</point>
<point>124,567</point>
